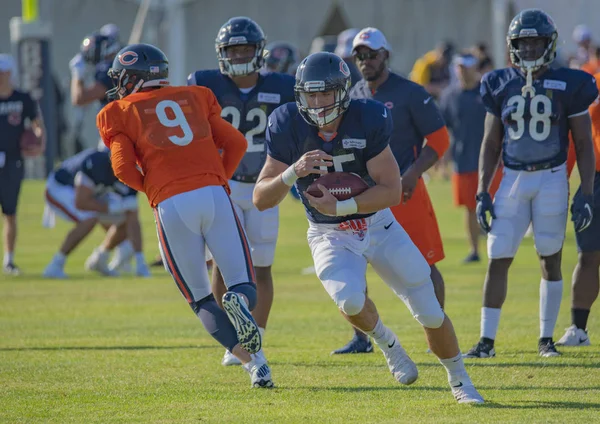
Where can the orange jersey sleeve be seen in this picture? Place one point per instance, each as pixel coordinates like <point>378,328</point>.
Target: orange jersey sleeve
<point>168,134</point>
<point>439,141</point>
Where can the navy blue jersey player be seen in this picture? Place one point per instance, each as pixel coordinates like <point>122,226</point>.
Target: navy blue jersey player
<point>325,131</point>
<point>85,191</point>
<point>530,110</point>
<point>247,95</point>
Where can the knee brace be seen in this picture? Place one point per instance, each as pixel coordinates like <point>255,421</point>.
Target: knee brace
<point>424,306</point>
<point>352,304</point>
<point>215,321</point>
<point>248,290</point>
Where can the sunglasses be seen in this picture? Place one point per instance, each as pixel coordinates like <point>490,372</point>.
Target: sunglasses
<point>364,56</point>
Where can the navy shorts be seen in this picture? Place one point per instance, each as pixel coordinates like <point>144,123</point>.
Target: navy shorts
<point>588,240</point>
<point>11,177</point>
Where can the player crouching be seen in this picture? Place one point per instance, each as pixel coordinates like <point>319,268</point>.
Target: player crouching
<point>85,191</point>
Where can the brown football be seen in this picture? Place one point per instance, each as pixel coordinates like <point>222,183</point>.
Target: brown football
<point>343,185</point>
<point>30,142</point>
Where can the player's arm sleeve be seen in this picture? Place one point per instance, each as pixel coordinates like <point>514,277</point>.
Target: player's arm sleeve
<point>583,96</point>
<point>428,121</point>
<point>232,142</point>
<point>488,98</point>
<point>278,141</point>
<point>380,135</point>
<point>191,79</point>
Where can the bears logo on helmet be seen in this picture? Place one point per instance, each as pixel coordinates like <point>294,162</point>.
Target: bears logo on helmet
<point>128,58</point>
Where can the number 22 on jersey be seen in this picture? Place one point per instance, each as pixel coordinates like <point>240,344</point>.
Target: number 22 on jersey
<point>540,109</point>
<point>251,116</point>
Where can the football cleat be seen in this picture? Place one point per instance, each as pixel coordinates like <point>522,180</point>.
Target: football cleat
<point>574,337</point>
<point>11,269</point>
<point>481,350</point>
<point>54,270</point>
<point>356,345</point>
<point>260,373</point>
<point>466,393</point>
<point>546,348</point>
<point>401,366</point>
<point>142,270</point>
<point>472,258</point>
<point>99,262</point>
<point>230,359</point>
<point>243,322</point>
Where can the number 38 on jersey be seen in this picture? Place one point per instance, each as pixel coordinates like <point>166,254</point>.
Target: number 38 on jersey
<point>536,119</point>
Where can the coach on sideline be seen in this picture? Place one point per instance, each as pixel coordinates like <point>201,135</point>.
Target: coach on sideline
<point>15,108</point>
<point>464,113</point>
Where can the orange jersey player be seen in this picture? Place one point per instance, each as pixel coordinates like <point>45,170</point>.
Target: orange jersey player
<point>173,136</point>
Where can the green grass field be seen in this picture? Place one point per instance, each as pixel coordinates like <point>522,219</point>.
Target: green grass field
<point>96,350</point>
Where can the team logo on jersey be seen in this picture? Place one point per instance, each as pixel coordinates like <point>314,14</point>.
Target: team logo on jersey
<point>128,58</point>
<point>354,143</point>
<point>14,118</point>
<point>344,69</point>
<point>555,85</point>
<point>389,105</point>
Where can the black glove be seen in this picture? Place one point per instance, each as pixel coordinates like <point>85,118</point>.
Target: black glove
<point>484,205</point>
<point>582,211</point>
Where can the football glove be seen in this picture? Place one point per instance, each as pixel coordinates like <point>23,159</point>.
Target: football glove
<point>484,205</point>
<point>582,211</point>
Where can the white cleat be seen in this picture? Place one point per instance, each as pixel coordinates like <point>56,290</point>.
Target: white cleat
<point>230,359</point>
<point>574,337</point>
<point>142,270</point>
<point>99,262</point>
<point>55,271</point>
<point>401,366</point>
<point>243,322</point>
<point>119,266</point>
<point>260,373</point>
<point>466,393</point>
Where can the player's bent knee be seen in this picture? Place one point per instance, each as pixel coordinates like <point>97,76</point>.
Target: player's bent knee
<point>215,321</point>
<point>248,290</point>
<point>352,304</point>
<point>424,306</point>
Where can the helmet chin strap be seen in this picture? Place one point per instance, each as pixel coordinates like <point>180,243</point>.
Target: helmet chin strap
<point>528,88</point>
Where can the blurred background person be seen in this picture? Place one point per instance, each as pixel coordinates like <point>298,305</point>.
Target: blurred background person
<point>582,36</point>
<point>464,113</point>
<point>281,56</point>
<point>592,66</point>
<point>344,50</point>
<point>432,70</point>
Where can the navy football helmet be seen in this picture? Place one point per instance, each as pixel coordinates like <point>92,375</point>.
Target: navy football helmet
<point>532,23</point>
<point>97,47</point>
<point>236,32</point>
<point>281,56</point>
<point>322,71</point>
<point>138,66</point>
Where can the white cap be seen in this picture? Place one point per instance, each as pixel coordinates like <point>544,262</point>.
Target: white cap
<point>581,33</point>
<point>6,63</point>
<point>371,38</point>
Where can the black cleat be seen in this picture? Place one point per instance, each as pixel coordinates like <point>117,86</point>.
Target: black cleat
<point>546,348</point>
<point>483,349</point>
<point>356,345</point>
<point>11,269</point>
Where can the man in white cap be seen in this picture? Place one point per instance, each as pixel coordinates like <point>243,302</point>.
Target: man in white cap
<point>416,117</point>
<point>582,36</point>
<point>18,112</point>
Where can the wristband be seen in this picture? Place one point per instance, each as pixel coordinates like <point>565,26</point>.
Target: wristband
<point>346,207</point>
<point>289,176</point>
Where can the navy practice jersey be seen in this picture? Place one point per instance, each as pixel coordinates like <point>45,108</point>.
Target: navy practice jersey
<point>414,111</point>
<point>96,169</point>
<point>464,113</point>
<point>101,76</point>
<point>363,133</point>
<point>13,112</point>
<point>536,130</point>
<point>248,112</point>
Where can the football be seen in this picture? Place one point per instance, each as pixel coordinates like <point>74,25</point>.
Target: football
<point>30,143</point>
<point>343,185</point>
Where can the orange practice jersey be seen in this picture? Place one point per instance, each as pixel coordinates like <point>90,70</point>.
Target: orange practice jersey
<point>594,110</point>
<point>173,134</point>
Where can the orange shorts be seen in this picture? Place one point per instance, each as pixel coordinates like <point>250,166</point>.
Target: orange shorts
<point>464,187</point>
<point>418,219</point>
